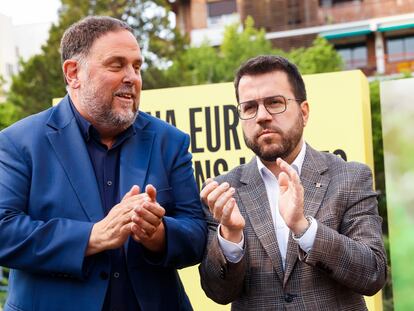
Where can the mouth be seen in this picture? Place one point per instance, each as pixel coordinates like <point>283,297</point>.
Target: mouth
<point>125,95</point>
<point>266,132</point>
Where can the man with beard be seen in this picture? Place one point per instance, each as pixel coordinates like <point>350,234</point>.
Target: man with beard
<point>294,229</point>
<point>98,203</point>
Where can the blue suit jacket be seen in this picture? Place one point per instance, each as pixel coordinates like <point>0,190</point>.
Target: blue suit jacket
<point>49,200</point>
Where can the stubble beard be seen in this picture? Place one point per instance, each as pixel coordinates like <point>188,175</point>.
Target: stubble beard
<point>99,107</point>
<point>269,151</point>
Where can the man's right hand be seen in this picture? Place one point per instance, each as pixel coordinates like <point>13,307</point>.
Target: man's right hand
<point>224,209</point>
<point>112,231</point>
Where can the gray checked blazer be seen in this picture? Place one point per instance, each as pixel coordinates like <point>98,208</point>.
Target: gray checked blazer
<point>346,262</point>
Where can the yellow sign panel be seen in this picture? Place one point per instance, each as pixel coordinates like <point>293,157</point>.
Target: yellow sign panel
<point>340,122</point>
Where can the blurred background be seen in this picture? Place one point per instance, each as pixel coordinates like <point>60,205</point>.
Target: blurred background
<point>191,42</point>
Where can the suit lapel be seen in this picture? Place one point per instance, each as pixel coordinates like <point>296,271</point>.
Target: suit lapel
<point>134,162</point>
<point>68,144</point>
<point>135,159</point>
<point>315,185</point>
<point>254,201</point>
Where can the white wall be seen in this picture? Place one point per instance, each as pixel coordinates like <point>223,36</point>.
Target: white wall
<point>29,38</point>
<point>8,59</point>
<point>19,42</point>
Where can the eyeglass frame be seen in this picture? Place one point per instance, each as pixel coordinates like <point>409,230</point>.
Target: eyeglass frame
<point>257,102</point>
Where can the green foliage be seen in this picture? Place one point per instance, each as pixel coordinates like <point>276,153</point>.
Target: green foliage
<point>237,47</point>
<point>205,64</point>
<point>380,178</point>
<point>320,57</point>
<point>197,65</point>
<point>378,150</point>
<point>169,60</point>
<point>3,283</point>
<point>2,82</point>
<point>37,84</point>
<point>377,137</point>
<point>9,114</point>
<point>399,220</point>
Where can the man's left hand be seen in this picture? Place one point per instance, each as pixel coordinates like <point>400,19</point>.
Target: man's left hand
<point>291,198</point>
<point>147,226</point>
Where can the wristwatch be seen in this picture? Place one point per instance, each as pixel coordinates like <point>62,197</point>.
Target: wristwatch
<point>298,236</point>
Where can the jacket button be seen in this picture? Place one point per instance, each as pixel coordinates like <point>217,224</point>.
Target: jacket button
<point>103,275</point>
<point>288,298</point>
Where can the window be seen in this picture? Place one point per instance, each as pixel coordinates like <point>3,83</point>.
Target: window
<point>354,56</point>
<point>329,3</point>
<point>400,49</point>
<point>293,12</point>
<point>221,13</point>
<point>9,69</point>
<point>223,7</point>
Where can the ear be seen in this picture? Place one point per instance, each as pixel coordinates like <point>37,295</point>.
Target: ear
<point>304,107</point>
<point>71,71</point>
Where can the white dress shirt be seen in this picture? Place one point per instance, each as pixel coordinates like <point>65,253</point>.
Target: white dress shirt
<point>235,251</point>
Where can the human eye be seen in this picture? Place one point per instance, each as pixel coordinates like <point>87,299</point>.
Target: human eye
<point>115,66</point>
<point>275,101</point>
<point>275,104</point>
<point>248,107</point>
<point>137,68</point>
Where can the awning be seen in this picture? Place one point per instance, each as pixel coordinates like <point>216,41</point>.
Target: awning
<point>346,32</point>
<point>396,26</point>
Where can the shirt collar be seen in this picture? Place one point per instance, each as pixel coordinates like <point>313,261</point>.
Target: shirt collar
<point>88,130</point>
<point>296,164</point>
<point>84,125</point>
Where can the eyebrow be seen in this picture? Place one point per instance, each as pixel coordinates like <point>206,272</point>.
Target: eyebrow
<point>122,59</point>
<point>262,98</point>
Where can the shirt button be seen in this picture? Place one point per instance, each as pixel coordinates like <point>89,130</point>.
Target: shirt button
<point>116,275</point>
<point>103,275</point>
<point>109,183</point>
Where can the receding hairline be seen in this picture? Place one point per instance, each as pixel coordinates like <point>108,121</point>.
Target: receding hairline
<point>91,28</point>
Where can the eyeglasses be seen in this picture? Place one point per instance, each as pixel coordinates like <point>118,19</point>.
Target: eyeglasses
<point>274,105</point>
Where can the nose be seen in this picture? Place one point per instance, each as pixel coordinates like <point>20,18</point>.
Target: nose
<point>132,75</point>
<point>262,114</point>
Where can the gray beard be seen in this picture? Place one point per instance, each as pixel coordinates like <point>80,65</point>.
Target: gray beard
<point>101,112</point>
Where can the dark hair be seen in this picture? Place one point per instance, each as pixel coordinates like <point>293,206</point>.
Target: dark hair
<point>78,38</point>
<point>268,63</point>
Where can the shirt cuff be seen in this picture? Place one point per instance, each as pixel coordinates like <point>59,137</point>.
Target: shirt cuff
<point>308,238</point>
<point>232,251</point>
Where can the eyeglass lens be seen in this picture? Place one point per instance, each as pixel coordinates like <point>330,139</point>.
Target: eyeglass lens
<point>273,104</point>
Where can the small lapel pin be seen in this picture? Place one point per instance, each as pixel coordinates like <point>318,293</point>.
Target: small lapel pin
<point>318,185</point>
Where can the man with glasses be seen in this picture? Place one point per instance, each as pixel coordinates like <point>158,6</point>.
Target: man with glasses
<point>295,228</point>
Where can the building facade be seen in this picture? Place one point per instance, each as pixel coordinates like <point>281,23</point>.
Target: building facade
<point>376,36</point>
<point>8,58</point>
<point>18,42</point>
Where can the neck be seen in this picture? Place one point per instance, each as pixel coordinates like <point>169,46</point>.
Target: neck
<point>108,141</point>
<point>107,134</point>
